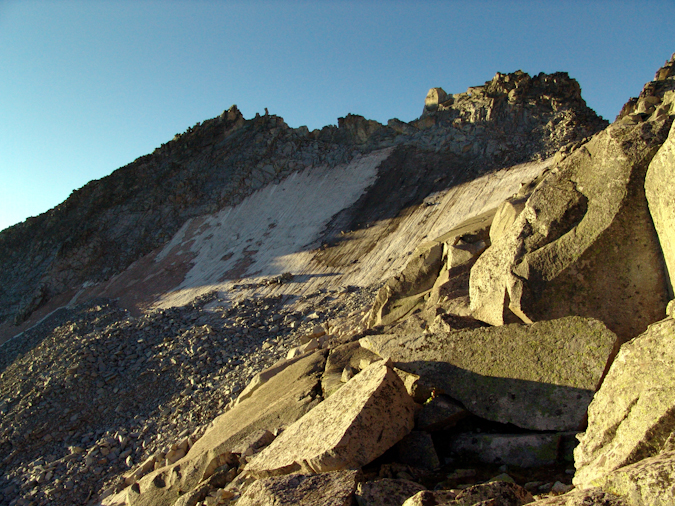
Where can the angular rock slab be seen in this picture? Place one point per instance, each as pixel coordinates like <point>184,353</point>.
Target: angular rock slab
<point>356,424</point>
<point>327,489</point>
<point>282,400</point>
<point>660,192</point>
<point>402,292</point>
<point>585,243</point>
<point>633,414</point>
<point>650,481</point>
<point>540,376</point>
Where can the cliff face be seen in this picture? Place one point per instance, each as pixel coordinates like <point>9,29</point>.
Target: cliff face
<point>109,223</point>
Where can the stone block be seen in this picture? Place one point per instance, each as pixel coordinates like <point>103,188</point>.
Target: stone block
<point>356,424</point>
<point>513,373</point>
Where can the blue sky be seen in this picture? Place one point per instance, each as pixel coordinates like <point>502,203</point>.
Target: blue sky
<point>87,87</point>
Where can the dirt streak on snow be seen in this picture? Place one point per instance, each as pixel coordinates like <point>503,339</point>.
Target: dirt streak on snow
<point>278,229</point>
<point>263,235</point>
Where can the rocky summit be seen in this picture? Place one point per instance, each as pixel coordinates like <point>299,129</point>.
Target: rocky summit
<point>474,308</point>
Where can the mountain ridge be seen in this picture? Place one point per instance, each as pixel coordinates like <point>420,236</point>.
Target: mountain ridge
<point>101,228</point>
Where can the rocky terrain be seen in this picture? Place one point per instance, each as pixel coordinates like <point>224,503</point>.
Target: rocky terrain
<point>468,309</point>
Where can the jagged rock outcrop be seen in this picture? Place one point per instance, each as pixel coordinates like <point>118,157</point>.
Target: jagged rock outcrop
<point>511,374</point>
<point>584,243</point>
<point>436,273</point>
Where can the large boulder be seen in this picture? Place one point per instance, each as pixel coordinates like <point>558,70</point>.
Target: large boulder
<point>356,424</point>
<point>661,197</point>
<point>278,402</point>
<point>585,243</point>
<point>434,97</point>
<point>541,376</point>
<point>632,416</point>
<point>326,489</point>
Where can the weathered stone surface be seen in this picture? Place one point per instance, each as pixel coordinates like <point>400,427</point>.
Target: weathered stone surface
<point>648,482</point>
<point>505,216</point>
<point>353,426</point>
<point>583,497</point>
<point>513,373</point>
<point>386,492</point>
<point>326,489</point>
<point>439,413</point>
<point>461,246</point>
<point>500,493</point>
<point>633,414</point>
<point>432,498</point>
<point>402,292</point>
<point>346,355</point>
<point>264,376</point>
<point>278,402</point>
<point>660,193</point>
<point>585,243</point>
<point>417,450</point>
<point>522,450</point>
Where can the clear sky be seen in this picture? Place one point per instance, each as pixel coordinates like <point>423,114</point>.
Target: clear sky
<point>89,86</point>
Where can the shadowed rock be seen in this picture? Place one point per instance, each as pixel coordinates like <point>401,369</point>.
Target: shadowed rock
<point>522,450</point>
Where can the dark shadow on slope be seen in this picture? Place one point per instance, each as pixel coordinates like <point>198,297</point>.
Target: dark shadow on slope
<point>405,179</point>
<point>527,404</point>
